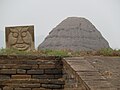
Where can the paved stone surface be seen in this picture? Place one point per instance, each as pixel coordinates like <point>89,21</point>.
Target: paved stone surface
<point>20,37</point>
<point>76,34</point>
<point>99,73</point>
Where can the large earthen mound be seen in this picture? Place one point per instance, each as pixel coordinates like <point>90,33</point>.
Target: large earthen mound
<point>76,34</point>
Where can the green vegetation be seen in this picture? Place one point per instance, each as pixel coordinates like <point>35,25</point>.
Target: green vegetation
<point>102,52</point>
<point>54,52</point>
<point>42,52</point>
<point>109,52</point>
<point>12,52</point>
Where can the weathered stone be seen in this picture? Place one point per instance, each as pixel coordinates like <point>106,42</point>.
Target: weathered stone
<point>7,71</point>
<point>40,89</point>
<point>53,71</point>
<point>21,76</point>
<point>43,76</point>
<point>35,72</point>
<point>7,88</point>
<point>26,67</point>
<point>4,76</point>
<point>46,66</point>
<point>52,86</point>
<point>52,81</point>
<point>20,37</point>
<point>76,34</point>
<point>22,89</point>
<point>21,71</point>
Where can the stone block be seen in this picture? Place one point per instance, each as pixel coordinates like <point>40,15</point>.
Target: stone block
<point>21,76</point>
<point>21,71</point>
<point>35,72</point>
<point>43,76</point>
<point>7,66</point>
<point>52,86</point>
<point>25,85</point>
<point>7,88</point>
<point>20,37</point>
<point>57,76</point>
<point>22,89</point>
<point>52,81</point>
<point>7,71</point>
<point>53,71</point>
<point>26,67</point>
<point>40,89</point>
<point>4,76</point>
<point>45,66</point>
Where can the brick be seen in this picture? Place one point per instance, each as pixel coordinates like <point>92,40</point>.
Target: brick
<point>4,76</point>
<point>33,85</point>
<point>52,86</point>
<point>52,81</point>
<point>40,89</point>
<point>19,81</point>
<point>43,76</point>
<point>32,62</point>
<point>22,89</point>
<point>21,76</point>
<point>35,71</point>
<point>26,67</point>
<point>46,66</point>
<point>45,62</point>
<point>21,71</point>
<point>53,71</point>
<point>24,85</point>
<point>7,88</point>
<point>34,66</point>
<point>7,66</point>
<point>57,76</point>
<point>8,71</point>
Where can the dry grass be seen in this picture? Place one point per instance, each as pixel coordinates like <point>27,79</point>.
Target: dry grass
<point>102,52</point>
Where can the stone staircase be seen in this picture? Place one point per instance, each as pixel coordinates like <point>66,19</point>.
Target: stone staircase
<point>31,73</point>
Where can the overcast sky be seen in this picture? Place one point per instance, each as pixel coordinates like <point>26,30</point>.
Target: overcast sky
<point>46,14</point>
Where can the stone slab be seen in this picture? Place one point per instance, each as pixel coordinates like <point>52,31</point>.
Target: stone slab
<point>20,37</point>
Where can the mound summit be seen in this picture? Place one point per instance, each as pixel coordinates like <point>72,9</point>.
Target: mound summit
<point>76,34</point>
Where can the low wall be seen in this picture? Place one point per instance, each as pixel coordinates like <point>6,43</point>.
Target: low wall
<point>30,73</point>
<point>56,73</point>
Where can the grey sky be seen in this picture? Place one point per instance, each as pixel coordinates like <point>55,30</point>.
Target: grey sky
<point>46,14</point>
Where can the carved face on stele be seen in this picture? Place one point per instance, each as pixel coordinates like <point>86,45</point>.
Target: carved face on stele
<point>20,39</point>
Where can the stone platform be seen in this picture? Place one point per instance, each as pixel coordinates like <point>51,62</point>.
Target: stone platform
<point>92,73</point>
<point>56,73</point>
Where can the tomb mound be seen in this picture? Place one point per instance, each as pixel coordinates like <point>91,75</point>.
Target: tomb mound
<point>76,34</point>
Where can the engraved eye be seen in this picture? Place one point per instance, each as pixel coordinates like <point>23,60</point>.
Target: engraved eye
<point>24,34</point>
<point>14,34</point>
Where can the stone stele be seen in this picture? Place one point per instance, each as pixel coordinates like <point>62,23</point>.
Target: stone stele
<point>20,37</point>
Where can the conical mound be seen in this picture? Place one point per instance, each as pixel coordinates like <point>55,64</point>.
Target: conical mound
<point>76,34</point>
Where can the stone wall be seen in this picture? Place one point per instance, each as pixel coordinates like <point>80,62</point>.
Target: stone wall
<point>30,73</point>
